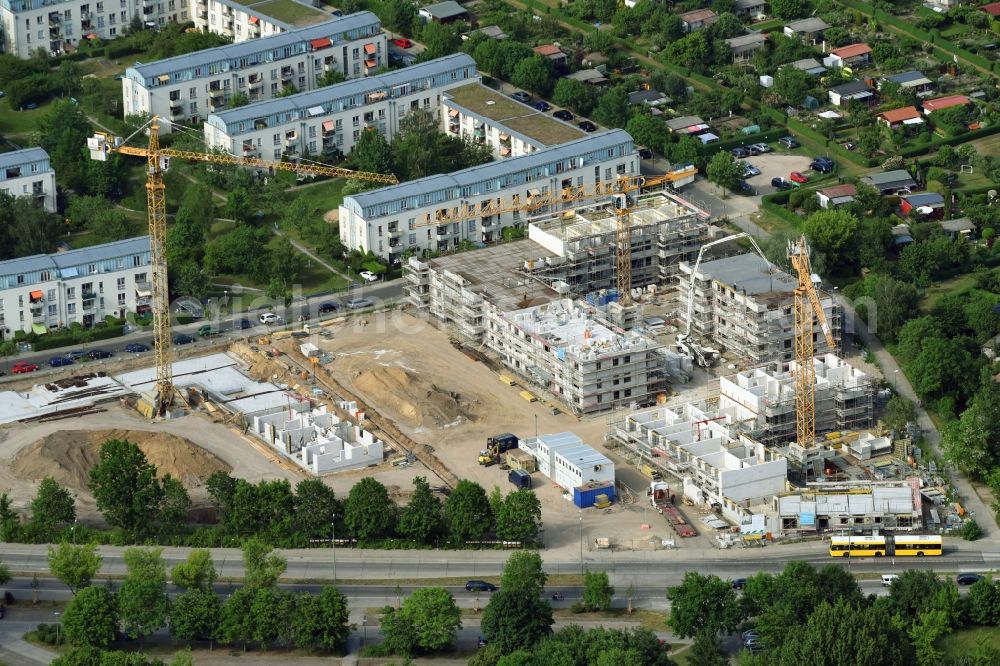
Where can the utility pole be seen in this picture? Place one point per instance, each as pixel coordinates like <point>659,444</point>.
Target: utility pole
<point>333,542</point>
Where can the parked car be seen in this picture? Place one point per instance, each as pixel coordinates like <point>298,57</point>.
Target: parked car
<point>781,184</point>
<point>242,324</point>
<point>208,331</point>
<point>750,170</point>
<point>563,114</point>
<point>849,145</point>
<point>745,188</point>
<point>360,303</point>
<point>522,97</point>
<point>59,361</point>
<point>328,307</point>
<point>740,152</point>
<point>822,165</point>
<point>762,147</point>
<point>480,586</point>
<point>543,106</point>
<point>888,578</point>
<point>645,153</point>
<point>739,583</point>
<point>136,348</point>
<point>750,633</point>
<point>753,150</point>
<point>269,318</point>
<point>402,42</point>
<point>98,354</point>
<point>587,126</point>
<point>798,177</point>
<point>183,339</point>
<point>968,578</point>
<point>482,642</point>
<point>75,354</point>
<point>22,367</point>
<point>788,142</point>
<point>368,276</point>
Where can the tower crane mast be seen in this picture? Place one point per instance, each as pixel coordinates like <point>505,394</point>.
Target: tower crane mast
<point>157,162</point>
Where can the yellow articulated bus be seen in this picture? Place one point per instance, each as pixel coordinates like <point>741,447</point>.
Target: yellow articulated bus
<point>880,546</point>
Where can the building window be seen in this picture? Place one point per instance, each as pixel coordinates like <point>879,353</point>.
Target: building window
<point>52,310</point>
<point>140,277</point>
<point>71,308</point>
<point>121,283</point>
<point>121,299</point>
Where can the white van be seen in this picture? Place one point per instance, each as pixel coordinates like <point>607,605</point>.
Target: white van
<point>888,578</point>
<point>269,318</point>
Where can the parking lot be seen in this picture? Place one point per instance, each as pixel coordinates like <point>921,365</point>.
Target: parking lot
<point>773,165</point>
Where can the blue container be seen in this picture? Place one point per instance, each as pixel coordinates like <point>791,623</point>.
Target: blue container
<point>586,495</point>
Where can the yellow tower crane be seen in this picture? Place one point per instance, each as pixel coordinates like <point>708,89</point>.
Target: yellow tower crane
<point>806,305</point>
<point>158,161</point>
<point>622,190</point>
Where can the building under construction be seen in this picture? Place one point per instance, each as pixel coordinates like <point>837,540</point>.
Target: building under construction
<point>566,255</point>
<point>763,399</point>
<point>744,305</point>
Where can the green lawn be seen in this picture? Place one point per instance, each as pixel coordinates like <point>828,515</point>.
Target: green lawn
<point>289,11</point>
<point>955,286</point>
<point>18,124</point>
<point>322,197</point>
<point>964,641</point>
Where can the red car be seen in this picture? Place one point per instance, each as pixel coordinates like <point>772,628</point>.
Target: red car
<point>402,42</point>
<point>798,177</point>
<point>22,366</point>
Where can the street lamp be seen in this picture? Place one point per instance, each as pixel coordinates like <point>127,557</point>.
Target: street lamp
<point>333,542</point>
<point>581,541</point>
<point>58,625</point>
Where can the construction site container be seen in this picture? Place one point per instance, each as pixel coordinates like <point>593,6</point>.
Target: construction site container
<point>508,380</point>
<point>528,395</point>
<point>521,459</point>
<point>519,478</point>
<point>585,496</point>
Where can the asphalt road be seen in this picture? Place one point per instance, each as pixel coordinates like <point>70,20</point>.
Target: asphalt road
<point>381,293</point>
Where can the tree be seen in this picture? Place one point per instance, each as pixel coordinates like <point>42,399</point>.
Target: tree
<point>235,622</point>
<point>789,9</point>
<point>519,517</point>
<point>910,592</point>
<point>195,573</point>
<point>4,574</point>
<point>971,531</point>
<point>971,441</point>
<point>239,204</point>
<point>142,601</point>
<point>925,632</point>
<point>124,484</point>
<point>174,506</point>
<point>315,506</point>
<point>399,633</point>
<point>575,95</point>
<point>434,617</point>
<point>898,412</point>
<point>648,131</point>
<point>515,619</point>
<point>269,611</point>
<point>612,108</point>
<point>597,591</point>
<point>703,603</point>
<point>321,620</point>
<point>724,171</point>
<point>984,602</point>
<point>533,74</point>
<point>330,77</point>
<point>372,153</point>
<point>238,99</point>
<point>63,133</point>
<point>792,85</point>
<point>421,519</point>
<point>91,618</point>
<point>706,651</point>
<point>52,506</point>
<point>195,615</point>
<point>74,566</point>
<point>369,512</point>
<point>25,228</point>
<point>439,40</point>
<point>467,510</point>
<point>261,567</point>
<point>833,232</point>
<point>894,302</point>
<point>523,573</point>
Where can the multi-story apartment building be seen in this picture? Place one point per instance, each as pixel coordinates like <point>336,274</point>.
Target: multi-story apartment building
<point>189,87</point>
<point>330,119</point>
<point>400,218</point>
<point>254,19</point>
<point>744,304</point>
<point>49,291</point>
<point>28,173</point>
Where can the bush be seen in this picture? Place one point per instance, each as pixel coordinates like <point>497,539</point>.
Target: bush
<point>971,531</point>
<point>50,634</point>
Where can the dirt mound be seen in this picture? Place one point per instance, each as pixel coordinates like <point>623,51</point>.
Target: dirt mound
<point>418,402</point>
<point>68,455</point>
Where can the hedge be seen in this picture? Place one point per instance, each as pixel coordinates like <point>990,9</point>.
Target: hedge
<point>937,141</point>
<point>761,137</point>
<point>66,339</point>
<point>769,203</point>
<point>831,146</point>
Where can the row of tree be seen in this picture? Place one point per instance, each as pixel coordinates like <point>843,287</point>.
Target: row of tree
<point>810,616</point>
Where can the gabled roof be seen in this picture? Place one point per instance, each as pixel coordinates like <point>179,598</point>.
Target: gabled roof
<point>851,88</point>
<point>923,199</point>
<point>548,50</point>
<point>749,4</point>
<point>851,51</point>
<point>908,79</point>
<point>939,103</point>
<point>754,38</point>
<point>959,224</point>
<point>683,122</point>
<point>889,177</point>
<point>647,97</point>
<point>446,9</point>
<point>993,9</point>
<point>703,15</point>
<point>23,156</point>
<point>845,190</point>
<point>899,115</point>
<point>811,24</point>
<point>808,65</point>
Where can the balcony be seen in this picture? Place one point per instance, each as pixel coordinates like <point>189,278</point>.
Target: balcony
<point>38,315</point>
<point>291,138</point>
<point>202,14</point>
<point>89,306</point>
<point>287,73</point>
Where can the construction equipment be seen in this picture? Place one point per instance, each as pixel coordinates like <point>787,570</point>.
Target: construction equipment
<point>806,306</point>
<point>623,191</point>
<point>157,162</point>
<point>684,339</point>
<point>496,445</point>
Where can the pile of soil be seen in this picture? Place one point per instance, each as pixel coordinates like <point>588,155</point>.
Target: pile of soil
<point>68,455</point>
<point>415,401</point>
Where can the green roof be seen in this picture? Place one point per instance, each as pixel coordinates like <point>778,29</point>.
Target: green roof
<point>513,115</point>
<point>289,11</point>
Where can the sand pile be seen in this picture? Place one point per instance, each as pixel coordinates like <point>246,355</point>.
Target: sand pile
<point>418,402</point>
<point>68,455</point>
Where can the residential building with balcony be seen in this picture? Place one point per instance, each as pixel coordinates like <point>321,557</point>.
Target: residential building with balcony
<point>330,120</point>
<point>242,22</point>
<point>188,88</point>
<point>49,291</point>
<point>28,173</point>
<point>404,218</point>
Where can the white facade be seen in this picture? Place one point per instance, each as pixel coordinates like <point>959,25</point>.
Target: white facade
<point>189,87</point>
<point>28,173</point>
<point>318,441</point>
<point>331,119</point>
<point>564,458</point>
<point>231,19</point>
<point>49,291</point>
<point>392,220</point>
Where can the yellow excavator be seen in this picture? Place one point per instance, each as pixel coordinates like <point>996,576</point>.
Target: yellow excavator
<point>495,446</point>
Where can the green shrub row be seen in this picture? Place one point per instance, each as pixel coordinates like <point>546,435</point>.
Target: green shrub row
<point>774,204</point>
<point>832,147</point>
<point>728,144</point>
<point>65,339</point>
